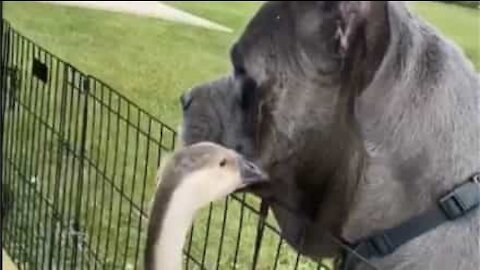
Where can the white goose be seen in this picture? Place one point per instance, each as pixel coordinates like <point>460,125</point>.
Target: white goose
<point>193,177</point>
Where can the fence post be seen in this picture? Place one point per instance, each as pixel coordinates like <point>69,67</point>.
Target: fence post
<point>3,89</point>
<point>3,103</point>
<point>84,88</point>
<point>2,111</point>
<point>58,169</point>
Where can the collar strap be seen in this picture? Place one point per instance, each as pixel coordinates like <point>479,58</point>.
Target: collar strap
<point>455,204</point>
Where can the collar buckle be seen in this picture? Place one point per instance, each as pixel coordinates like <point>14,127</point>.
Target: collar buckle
<point>462,199</point>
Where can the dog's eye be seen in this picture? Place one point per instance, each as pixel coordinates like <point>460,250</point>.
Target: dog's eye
<point>239,71</point>
<point>248,93</point>
<point>237,62</point>
<point>223,162</point>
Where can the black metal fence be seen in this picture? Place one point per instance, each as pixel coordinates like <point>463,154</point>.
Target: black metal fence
<point>79,161</point>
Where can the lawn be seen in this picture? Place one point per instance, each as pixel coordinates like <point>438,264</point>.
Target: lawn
<point>459,23</point>
<point>152,62</point>
<point>148,60</point>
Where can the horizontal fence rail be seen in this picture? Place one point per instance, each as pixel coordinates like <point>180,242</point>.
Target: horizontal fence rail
<point>78,170</point>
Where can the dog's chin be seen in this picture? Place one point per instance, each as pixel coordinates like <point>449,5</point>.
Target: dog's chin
<point>180,134</point>
<point>185,139</point>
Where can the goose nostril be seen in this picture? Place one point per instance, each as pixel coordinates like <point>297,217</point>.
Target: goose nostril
<point>186,100</point>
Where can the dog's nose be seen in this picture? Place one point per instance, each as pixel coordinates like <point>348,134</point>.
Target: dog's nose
<point>186,99</point>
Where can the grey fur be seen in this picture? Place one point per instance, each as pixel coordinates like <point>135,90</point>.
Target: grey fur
<point>363,115</point>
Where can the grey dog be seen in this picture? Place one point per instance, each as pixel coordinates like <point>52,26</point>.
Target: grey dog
<point>363,115</point>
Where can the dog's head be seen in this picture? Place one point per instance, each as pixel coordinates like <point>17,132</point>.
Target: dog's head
<point>288,102</point>
<point>361,114</point>
<point>293,79</point>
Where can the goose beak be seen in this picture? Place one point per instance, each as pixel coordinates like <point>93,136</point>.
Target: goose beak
<point>251,173</point>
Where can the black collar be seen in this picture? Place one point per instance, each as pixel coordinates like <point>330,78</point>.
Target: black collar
<point>458,203</point>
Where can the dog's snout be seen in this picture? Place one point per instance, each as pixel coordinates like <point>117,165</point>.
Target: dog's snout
<point>186,99</point>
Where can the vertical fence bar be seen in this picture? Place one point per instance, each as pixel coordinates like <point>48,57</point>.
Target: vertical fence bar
<point>10,105</point>
<point>89,225</point>
<point>122,184</point>
<point>277,253</point>
<point>263,213</point>
<point>67,152</point>
<point>17,122</point>
<point>145,173</point>
<point>297,260</point>
<point>102,195</point>
<point>222,234</point>
<point>114,173</point>
<point>85,85</point>
<point>4,50</point>
<point>132,186</point>
<point>240,229</point>
<point>46,171</point>
<point>38,168</point>
<point>207,233</point>
<point>3,93</point>
<point>3,102</point>
<point>26,131</point>
<point>32,126</point>
<point>58,171</point>
<point>7,128</point>
<point>70,146</point>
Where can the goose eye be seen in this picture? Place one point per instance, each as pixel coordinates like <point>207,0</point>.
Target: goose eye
<point>223,162</point>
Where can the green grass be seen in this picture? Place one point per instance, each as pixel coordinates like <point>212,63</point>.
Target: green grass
<point>152,62</point>
<point>234,14</point>
<point>149,60</point>
<point>458,23</point>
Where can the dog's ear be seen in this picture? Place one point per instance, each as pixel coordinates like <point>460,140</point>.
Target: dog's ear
<point>350,24</point>
<point>361,19</point>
